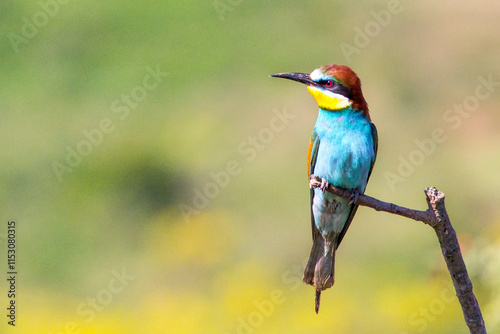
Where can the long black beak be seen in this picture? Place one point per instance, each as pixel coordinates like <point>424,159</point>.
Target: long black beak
<point>300,77</point>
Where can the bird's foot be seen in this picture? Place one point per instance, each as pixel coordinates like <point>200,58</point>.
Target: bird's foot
<point>353,198</point>
<point>313,183</point>
<point>324,185</point>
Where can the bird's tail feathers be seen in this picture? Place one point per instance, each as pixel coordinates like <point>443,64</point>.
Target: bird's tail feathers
<point>319,271</point>
<point>317,251</point>
<point>324,271</point>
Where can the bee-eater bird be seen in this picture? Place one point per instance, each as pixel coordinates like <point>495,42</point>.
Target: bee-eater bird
<point>342,152</point>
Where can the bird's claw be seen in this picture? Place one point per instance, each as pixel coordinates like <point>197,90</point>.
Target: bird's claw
<point>353,198</point>
<point>324,185</point>
<point>313,183</point>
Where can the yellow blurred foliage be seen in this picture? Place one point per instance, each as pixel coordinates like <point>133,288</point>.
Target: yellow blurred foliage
<point>205,240</point>
<point>242,285</point>
<point>419,306</point>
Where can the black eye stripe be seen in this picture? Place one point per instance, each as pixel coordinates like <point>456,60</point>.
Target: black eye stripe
<point>324,82</point>
<point>336,88</point>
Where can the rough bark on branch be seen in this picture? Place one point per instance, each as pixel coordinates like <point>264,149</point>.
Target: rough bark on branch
<point>437,217</point>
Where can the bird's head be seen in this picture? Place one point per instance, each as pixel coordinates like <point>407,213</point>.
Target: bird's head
<point>333,86</point>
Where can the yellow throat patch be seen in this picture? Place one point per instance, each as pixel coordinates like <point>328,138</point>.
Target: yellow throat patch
<point>327,100</point>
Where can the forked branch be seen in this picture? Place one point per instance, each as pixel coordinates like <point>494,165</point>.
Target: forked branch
<point>436,217</point>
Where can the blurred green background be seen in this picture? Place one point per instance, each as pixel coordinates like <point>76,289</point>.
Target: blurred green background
<point>101,162</point>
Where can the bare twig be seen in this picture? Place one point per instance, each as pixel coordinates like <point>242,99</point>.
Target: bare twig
<point>437,217</point>
<point>364,200</point>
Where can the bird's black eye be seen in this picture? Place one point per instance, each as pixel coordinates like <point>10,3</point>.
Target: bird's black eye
<point>328,83</point>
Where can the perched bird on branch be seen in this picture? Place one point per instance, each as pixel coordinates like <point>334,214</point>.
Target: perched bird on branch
<point>342,152</point>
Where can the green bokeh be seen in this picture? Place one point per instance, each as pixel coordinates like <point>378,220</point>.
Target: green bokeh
<point>120,204</point>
